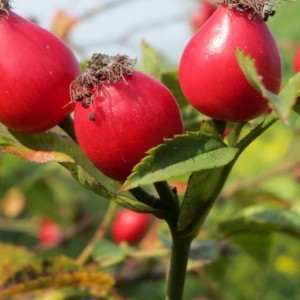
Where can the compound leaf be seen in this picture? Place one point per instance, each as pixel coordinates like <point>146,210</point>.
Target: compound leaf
<point>181,155</point>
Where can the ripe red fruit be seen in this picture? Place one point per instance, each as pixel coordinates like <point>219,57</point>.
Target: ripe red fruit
<point>204,11</point>
<point>117,119</point>
<point>49,233</point>
<point>209,74</point>
<point>297,60</point>
<point>130,226</point>
<point>36,71</point>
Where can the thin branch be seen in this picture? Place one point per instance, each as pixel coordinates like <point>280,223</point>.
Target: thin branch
<point>100,232</point>
<point>101,8</point>
<point>239,185</point>
<point>18,226</point>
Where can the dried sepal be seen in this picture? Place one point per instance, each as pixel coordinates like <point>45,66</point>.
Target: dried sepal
<point>4,7</point>
<point>263,8</point>
<point>101,68</point>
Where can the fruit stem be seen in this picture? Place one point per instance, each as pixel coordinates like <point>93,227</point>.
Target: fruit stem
<point>143,196</point>
<point>171,204</point>
<point>67,125</point>
<point>219,126</point>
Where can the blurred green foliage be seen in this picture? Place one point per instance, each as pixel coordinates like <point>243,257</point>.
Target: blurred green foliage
<point>247,266</point>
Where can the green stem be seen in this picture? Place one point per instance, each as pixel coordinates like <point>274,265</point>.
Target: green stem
<point>67,125</point>
<point>236,131</point>
<point>178,266</point>
<point>170,201</point>
<point>167,195</point>
<point>256,132</point>
<point>143,196</point>
<point>180,246</point>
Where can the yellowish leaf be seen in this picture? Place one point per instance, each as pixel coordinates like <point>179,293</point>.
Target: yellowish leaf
<point>57,273</point>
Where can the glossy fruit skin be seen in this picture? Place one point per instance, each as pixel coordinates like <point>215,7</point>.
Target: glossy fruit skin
<point>297,60</point>
<point>36,69</point>
<point>131,117</point>
<point>209,74</point>
<point>129,226</point>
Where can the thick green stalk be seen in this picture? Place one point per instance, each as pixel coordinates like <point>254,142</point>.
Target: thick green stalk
<point>180,246</point>
<point>178,266</point>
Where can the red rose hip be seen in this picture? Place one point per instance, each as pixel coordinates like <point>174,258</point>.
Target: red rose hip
<point>209,74</point>
<point>36,71</point>
<point>297,60</point>
<point>120,114</point>
<point>129,226</point>
<point>50,234</point>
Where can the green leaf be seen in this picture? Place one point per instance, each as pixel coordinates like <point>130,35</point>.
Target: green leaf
<point>296,80</point>
<point>281,103</point>
<point>208,128</point>
<point>106,248</point>
<point>149,62</point>
<point>9,145</point>
<point>264,220</point>
<point>107,252</point>
<point>38,156</point>
<point>257,245</point>
<point>58,272</point>
<point>133,204</point>
<point>56,147</point>
<point>170,79</point>
<point>203,189</point>
<point>191,117</point>
<point>255,133</point>
<point>290,92</point>
<point>207,250</point>
<point>179,156</point>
